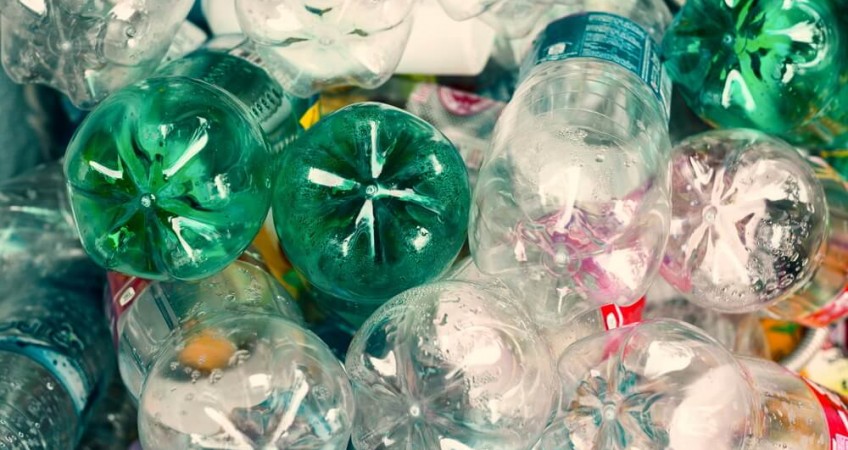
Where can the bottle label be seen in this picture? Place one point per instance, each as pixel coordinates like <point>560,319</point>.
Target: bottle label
<point>829,313</point>
<point>462,103</point>
<point>616,316</point>
<point>122,293</point>
<point>836,414</point>
<point>607,37</point>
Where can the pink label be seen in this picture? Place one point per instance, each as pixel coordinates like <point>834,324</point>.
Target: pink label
<point>463,103</point>
<point>616,316</point>
<point>123,291</point>
<point>836,414</point>
<point>829,313</point>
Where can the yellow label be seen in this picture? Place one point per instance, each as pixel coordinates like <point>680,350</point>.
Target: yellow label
<point>311,116</point>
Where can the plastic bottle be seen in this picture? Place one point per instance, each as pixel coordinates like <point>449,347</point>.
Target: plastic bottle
<point>459,48</point>
<point>38,238</point>
<point>87,50</point>
<point>749,220</point>
<point>665,384</point>
<point>823,300</point>
<point>511,18</point>
<point>574,191</point>
<point>779,67</point>
<point>450,365</point>
<point>54,354</point>
<point>743,334</point>
<point>225,361</point>
<point>171,178</point>
<point>112,425</point>
<point>309,47</point>
<point>373,201</point>
<point>585,318</point>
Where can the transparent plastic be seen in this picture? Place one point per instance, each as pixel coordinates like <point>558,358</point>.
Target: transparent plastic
<point>574,193</point>
<point>54,343</point>
<point>49,420</point>
<point>311,45</point>
<point>37,233</point>
<point>511,18</point>
<point>743,334</point>
<point>824,298</point>
<point>87,49</point>
<point>665,384</point>
<point>450,365</point>
<point>227,361</point>
<point>749,220</point>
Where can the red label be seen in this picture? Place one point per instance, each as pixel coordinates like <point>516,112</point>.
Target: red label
<point>836,414</point>
<point>829,313</point>
<point>123,291</point>
<point>463,103</point>
<point>615,316</point>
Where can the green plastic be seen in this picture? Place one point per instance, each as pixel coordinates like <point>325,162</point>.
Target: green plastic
<point>371,201</point>
<point>780,66</point>
<point>171,178</point>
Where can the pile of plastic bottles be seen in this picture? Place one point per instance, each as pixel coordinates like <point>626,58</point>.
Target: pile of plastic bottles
<point>401,224</point>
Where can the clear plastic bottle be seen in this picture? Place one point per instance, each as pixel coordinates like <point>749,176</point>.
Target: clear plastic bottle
<point>512,18</point>
<point>310,46</point>
<point>87,49</point>
<point>585,318</point>
<point>575,190</point>
<point>227,361</point>
<point>749,220</point>
<point>743,334</point>
<point>450,365</point>
<point>823,300</point>
<point>665,384</point>
<point>54,351</point>
<point>38,238</point>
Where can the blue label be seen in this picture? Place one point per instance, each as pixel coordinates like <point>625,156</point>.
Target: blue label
<point>608,37</point>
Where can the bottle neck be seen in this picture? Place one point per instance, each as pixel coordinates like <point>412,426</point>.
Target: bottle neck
<point>234,67</point>
<point>36,410</point>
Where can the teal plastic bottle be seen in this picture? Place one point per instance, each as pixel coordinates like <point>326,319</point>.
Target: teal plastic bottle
<point>171,178</point>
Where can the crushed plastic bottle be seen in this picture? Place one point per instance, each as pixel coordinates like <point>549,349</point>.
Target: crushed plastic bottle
<point>373,201</point>
<point>87,49</point>
<point>749,220</point>
<point>450,365</point>
<point>313,45</point>
<point>574,192</point>
<point>227,361</point>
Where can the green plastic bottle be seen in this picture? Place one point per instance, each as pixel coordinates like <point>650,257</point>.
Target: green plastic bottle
<point>780,66</point>
<point>171,178</point>
<point>371,201</point>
